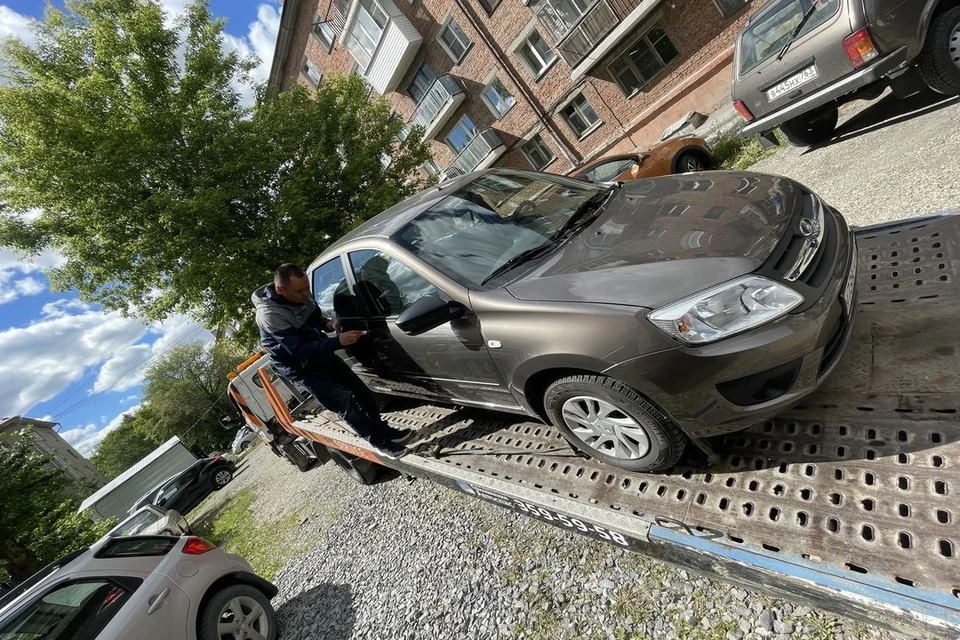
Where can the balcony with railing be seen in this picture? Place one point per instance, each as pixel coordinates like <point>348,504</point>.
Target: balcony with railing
<point>481,152</point>
<point>382,41</point>
<point>585,31</point>
<point>437,105</point>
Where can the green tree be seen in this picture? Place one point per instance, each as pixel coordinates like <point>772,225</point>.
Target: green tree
<point>38,519</point>
<point>162,190</point>
<point>186,393</point>
<point>122,448</point>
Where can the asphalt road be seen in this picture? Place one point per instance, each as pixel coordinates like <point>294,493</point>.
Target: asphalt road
<point>890,159</point>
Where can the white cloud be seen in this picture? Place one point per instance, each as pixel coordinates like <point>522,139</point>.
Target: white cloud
<point>24,287</point>
<point>13,263</point>
<point>16,25</point>
<point>87,439</point>
<point>48,355</point>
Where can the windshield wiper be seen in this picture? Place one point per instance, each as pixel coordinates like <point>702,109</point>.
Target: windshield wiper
<point>523,256</point>
<point>796,32</point>
<point>590,205</point>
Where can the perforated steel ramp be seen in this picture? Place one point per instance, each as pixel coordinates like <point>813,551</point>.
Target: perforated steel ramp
<point>857,486</point>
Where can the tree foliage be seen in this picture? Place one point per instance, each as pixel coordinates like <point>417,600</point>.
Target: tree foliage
<point>162,190</point>
<point>38,519</point>
<point>123,447</point>
<point>186,393</point>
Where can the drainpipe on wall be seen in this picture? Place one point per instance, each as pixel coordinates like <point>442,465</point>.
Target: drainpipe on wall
<point>570,154</point>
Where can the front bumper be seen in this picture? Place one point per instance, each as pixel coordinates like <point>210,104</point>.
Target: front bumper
<point>854,81</point>
<point>725,386</point>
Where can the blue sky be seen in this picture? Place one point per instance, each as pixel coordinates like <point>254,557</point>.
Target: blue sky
<point>66,360</point>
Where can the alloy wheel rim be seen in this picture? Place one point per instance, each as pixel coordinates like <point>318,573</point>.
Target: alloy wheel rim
<point>223,477</point>
<point>693,164</point>
<point>953,46</point>
<point>606,428</point>
<point>242,618</point>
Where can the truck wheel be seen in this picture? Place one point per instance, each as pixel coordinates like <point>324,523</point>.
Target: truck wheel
<point>296,457</point>
<point>613,423</point>
<point>940,58</point>
<point>237,611</point>
<point>811,128</point>
<point>362,471</point>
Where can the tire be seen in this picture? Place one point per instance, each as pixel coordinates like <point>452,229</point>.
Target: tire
<point>244,446</point>
<point>691,161</point>
<point>664,441</point>
<point>362,471</point>
<point>811,128</point>
<point>219,610</point>
<point>940,58</point>
<point>221,478</point>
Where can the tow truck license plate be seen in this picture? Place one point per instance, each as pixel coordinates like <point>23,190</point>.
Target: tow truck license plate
<point>792,83</point>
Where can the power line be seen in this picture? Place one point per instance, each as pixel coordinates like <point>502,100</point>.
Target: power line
<point>126,375</point>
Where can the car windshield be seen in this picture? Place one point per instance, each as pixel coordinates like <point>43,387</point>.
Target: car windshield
<point>135,524</point>
<point>475,230</point>
<point>766,37</point>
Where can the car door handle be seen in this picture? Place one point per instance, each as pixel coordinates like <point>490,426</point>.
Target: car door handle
<point>156,600</point>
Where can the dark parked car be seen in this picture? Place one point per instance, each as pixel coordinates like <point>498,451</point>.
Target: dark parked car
<point>677,155</point>
<point>630,317</point>
<point>797,60</point>
<point>184,491</point>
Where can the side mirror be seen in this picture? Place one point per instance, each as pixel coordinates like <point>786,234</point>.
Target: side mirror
<point>428,313</point>
<point>228,423</point>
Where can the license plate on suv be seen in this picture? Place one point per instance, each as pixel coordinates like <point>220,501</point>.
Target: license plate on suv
<point>791,83</point>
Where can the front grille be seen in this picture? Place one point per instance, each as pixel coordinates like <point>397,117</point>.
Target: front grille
<point>806,261</point>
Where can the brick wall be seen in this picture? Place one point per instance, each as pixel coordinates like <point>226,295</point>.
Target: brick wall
<point>697,79</point>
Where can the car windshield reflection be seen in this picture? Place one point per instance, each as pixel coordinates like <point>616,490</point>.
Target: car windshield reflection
<point>472,232</point>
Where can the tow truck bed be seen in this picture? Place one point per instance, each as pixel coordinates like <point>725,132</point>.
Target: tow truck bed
<point>847,502</point>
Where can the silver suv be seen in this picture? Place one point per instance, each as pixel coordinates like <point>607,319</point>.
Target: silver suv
<point>797,60</point>
<point>143,587</point>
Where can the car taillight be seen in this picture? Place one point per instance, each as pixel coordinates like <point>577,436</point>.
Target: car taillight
<point>743,110</point>
<point>196,546</point>
<point>859,48</point>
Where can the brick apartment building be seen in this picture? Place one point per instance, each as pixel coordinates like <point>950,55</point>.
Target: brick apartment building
<point>547,84</point>
<point>46,441</point>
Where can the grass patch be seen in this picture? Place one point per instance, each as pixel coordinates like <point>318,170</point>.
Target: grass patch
<point>738,154</point>
<point>265,545</point>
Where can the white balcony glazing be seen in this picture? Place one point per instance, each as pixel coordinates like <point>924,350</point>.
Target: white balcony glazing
<point>438,104</point>
<point>382,40</point>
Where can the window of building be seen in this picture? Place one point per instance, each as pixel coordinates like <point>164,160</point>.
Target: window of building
<point>497,98</point>
<point>430,168</point>
<point>461,134</point>
<point>643,61</point>
<point>729,7</point>
<point>421,82</point>
<point>580,116</point>
<point>386,285</point>
<point>558,16</point>
<point>489,5</point>
<point>538,154</point>
<point>324,33</point>
<point>370,22</point>
<point>312,71</point>
<point>536,54</point>
<point>454,41</point>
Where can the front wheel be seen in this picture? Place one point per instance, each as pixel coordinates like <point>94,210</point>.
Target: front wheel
<point>611,422</point>
<point>940,58</point>
<point>691,162</point>
<point>221,478</point>
<point>811,128</point>
<point>239,611</point>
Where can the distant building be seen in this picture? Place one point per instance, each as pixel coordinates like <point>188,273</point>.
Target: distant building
<point>116,498</point>
<point>542,84</point>
<point>48,442</point>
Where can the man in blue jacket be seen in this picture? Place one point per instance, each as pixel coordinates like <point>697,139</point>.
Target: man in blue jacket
<point>292,330</point>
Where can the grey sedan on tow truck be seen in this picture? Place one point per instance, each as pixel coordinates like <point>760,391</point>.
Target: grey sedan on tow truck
<point>633,318</point>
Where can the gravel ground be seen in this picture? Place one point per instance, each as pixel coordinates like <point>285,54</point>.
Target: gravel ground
<point>891,159</point>
<point>408,559</point>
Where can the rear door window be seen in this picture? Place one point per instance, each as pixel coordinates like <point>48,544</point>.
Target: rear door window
<point>607,171</point>
<point>766,36</point>
<point>77,610</point>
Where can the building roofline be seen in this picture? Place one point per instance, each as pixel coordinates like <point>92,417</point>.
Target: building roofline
<point>281,51</point>
<point>95,497</point>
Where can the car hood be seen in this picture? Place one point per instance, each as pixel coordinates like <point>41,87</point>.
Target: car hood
<point>660,239</point>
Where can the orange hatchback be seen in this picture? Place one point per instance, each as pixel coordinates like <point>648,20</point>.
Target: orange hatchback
<point>679,155</point>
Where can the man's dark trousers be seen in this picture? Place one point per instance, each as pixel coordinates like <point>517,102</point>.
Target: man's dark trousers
<point>338,389</point>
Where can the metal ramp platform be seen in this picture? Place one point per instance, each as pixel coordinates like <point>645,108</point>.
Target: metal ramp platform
<point>848,501</point>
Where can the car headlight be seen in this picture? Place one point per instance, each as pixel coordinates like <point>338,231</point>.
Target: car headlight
<point>725,310</point>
